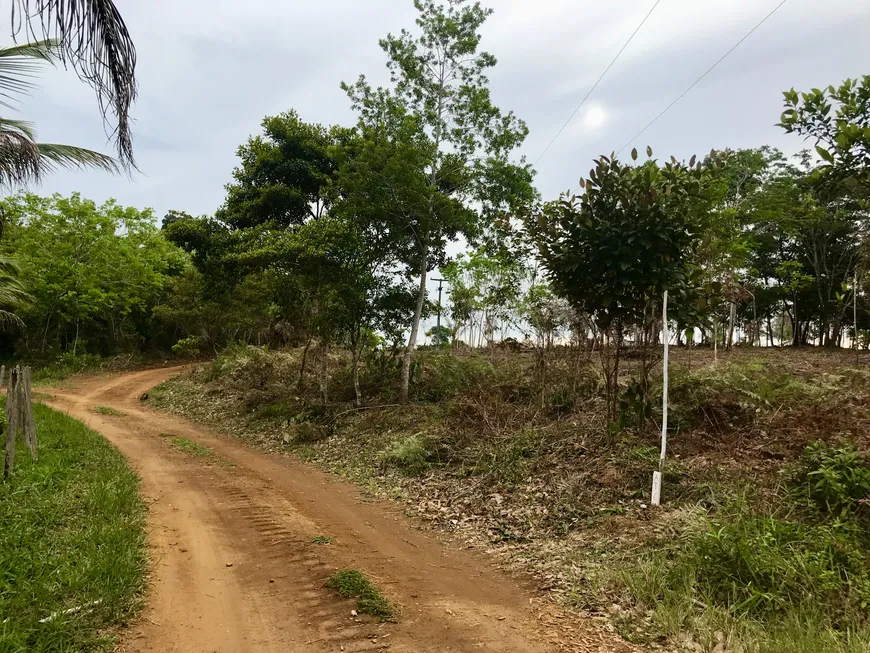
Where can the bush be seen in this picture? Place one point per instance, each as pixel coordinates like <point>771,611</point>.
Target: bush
<point>190,347</point>
<point>410,455</point>
<point>836,479</point>
<point>439,376</point>
<point>736,393</point>
<point>760,564</point>
<point>66,365</point>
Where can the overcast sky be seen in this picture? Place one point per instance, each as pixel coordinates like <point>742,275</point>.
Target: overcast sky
<point>209,70</point>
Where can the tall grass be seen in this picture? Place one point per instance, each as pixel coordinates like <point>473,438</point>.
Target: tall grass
<point>71,536</point>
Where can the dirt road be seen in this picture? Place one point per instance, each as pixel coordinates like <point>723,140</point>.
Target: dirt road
<point>234,568</point>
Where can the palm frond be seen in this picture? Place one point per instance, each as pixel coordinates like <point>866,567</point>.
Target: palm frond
<point>20,159</point>
<point>19,63</point>
<point>69,156</point>
<point>95,40</point>
<point>12,293</point>
<point>24,126</point>
<point>9,321</point>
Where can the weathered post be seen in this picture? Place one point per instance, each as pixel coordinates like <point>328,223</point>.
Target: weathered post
<point>27,422</point>
<point>11,422</point>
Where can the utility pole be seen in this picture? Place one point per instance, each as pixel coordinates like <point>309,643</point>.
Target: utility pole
<point>440,282</point>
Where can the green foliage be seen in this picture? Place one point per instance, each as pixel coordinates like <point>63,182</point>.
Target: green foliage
<point>351,583</point>
<point>410,455</point>
<point>284,174</point>
<point>68,364</point>
<point>436,377</point>
<point>757,574</point>
<point>734,393</point>
<point>321,539</point>
<point>613,250</point>
<point>189,347</point>
<point>758,564</point>
<point>441,336</point>
<point>72,534</point>
<point>94,272</point>
<point>842,140</point>
<point>836,479</point>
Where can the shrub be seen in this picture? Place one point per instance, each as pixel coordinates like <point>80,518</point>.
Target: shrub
<point>410,455</point>
<point>439,376</point>
<point>836,479</point>
<point>759,564</point>
<point>67,364</point>
<point>190,347</point>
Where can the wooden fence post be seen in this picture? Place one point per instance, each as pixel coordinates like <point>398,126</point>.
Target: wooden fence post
<point>27,410</point>
<point>19,415</point>
<point>11,421</point>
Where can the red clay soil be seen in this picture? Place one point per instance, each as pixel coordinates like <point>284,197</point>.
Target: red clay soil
<point>234,568</point>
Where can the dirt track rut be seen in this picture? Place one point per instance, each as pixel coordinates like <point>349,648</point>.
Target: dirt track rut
<point>234,568</point>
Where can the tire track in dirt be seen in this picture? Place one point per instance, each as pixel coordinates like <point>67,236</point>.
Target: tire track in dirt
<point>235,568</point>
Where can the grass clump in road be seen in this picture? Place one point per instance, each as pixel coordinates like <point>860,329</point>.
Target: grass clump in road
<point>72,538</point>
<point>321,539</point>
<point>351,583</point>
<point>107,410</point>
<point>189,446</point>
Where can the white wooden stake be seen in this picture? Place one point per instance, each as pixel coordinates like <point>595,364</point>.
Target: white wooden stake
<point>855,312</point>
<point>657,476</point>
<point>715,340</point>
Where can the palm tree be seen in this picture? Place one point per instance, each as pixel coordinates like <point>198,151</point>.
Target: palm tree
<point>22,159</point>
<point>94,40</point>
<point>12,293</point>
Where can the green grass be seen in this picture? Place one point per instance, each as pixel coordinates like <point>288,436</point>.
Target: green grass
<point>106,410</point>
<point>321,539</point>
<point>191,447</point>
<point>351,583</point>
<point>72,532</point>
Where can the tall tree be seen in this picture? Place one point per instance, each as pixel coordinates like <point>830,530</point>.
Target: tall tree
<point>456,174</point>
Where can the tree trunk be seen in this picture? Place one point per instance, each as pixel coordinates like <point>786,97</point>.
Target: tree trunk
<point>300,385</point>
<point>415,326</point>
<point>355,363</point>
<point>324,372</point>
<point>732,316</point>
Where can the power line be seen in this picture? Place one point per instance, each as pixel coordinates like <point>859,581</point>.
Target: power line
<point>594,86</point>
<point>697,81</point>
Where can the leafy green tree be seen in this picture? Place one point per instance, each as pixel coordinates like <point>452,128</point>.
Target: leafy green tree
<point>90,270</point>
<point>284,175</point>
<point>837,119</point>
<point>441,335</point>
<point>450,145</point>
<point>613,250</point>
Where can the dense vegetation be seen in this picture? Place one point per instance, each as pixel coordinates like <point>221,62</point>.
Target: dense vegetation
<point>72,542</point>
<point>310,282</point>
